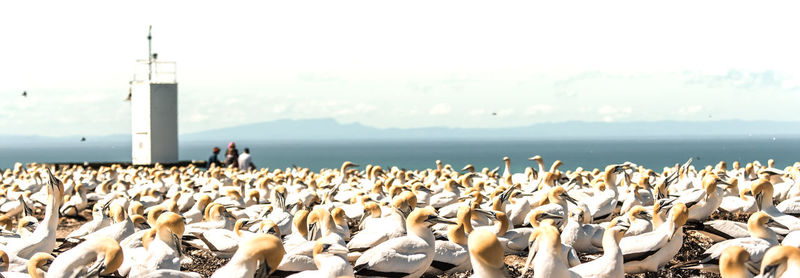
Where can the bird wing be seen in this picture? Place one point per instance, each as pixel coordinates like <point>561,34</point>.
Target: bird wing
<point>639,247</point>
<point>394,258</point>
<point>726,229</point>
<point>755,246</point>
<point>367,239</point>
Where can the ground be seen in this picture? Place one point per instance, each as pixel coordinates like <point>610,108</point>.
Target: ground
<point>694,245</point>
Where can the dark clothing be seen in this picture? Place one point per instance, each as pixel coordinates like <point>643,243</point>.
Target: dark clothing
<point>232,157</point>
<point>213,160</point>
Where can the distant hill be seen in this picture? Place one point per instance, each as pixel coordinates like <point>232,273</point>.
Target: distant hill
<point>329,129</point>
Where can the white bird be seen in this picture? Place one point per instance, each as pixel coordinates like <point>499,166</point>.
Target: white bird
<point>33,267</point>
<point>220,242</point>
<point>122,228</point>
<point>379,230</point>
<point>733,263</point>
<point>762,190</point>
<point>407,256</point>
<point>449,196</point>
<point>99,220</point>
<point>761,238</point>
<point>258,256</point>
<point>43,238</point>
<point>546,253</point>
<point>103,253</point>
<point>650,251</point>
<point>610,264</point>
<point>781,261</point>
<point>451,255</point>
<point>164,250</point>
<point>486,255</point>
<point>330,260</point>
<point>703,202</point>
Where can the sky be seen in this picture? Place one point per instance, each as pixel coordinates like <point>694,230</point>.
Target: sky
<point>401,63</point>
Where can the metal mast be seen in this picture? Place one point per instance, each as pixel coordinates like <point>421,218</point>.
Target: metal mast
<point>149,54</point>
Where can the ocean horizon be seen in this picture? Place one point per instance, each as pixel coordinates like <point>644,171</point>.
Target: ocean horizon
<point>420,154</point>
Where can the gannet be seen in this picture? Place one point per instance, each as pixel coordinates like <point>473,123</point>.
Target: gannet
<point>762,191</point>
<point>781,261</point>
<point>650,251</point>
<point>164,250</point>
<point>258,256</point>
<point>761,238</point>
<point>451,255</point>
<point>407,256</point>
<point>32,267</point>
<point>610,264</point>
<point>330,260</point>
<point>486,255</point>
<point>43,238</point>
<point>546,253</point>
<point>103,253</point>
<point>732,263</point>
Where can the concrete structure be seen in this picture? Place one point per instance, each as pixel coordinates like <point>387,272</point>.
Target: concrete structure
<point>154,112</point>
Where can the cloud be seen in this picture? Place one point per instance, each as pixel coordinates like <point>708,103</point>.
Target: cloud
<point>198,118</point>
<point>477,112</point>
<point>505,112</point>
<point>688,110</point>
<point>563,87</point>
<point>742,80</point>
<point>279,108</point>
<point>539,109</point>
<point>440,109</point>
<point>611,110</point>
<point>611,113</point>
<point>359,108</point>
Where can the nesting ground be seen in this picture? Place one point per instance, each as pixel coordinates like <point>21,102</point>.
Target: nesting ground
<point>693,246</point>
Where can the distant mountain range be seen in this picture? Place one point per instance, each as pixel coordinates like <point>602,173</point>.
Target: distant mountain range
<point>331,130</point>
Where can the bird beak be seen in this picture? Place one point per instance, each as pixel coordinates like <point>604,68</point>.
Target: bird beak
<point>569,199</point>
<point>337,249</point>
<point>548,215</point>
<point>624,223</point>
<point>486,213</point>
<point>438,219</point>
<point>758,200</point>
<point>770,271</point>
<point>528,261</point>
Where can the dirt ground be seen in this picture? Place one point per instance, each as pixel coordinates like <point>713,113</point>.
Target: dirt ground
<point>694,244</point>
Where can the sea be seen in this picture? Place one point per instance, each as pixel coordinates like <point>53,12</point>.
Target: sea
<point>589,154</point>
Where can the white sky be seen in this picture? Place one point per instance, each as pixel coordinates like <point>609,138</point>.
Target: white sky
<point>401,64</point>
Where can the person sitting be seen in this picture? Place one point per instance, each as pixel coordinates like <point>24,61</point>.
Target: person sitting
<point>232,156</point>
<point>245,161</point>
<point>213,160</point>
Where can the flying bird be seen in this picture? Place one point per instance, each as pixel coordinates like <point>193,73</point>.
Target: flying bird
<point>494,113</point>
<point>24,93</point>
<point>83,139</point>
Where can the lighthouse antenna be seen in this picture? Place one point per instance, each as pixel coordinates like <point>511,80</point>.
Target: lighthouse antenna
<point>149,53</point>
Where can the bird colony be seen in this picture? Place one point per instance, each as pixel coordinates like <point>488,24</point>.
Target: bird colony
<point>618,221</point>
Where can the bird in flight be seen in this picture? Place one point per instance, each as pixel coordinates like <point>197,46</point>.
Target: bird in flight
<point>83,139</point>
<point>494,113</point>
<point>24,93</point>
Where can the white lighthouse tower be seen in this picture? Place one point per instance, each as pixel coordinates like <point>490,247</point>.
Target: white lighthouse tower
<point>154,110</point>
